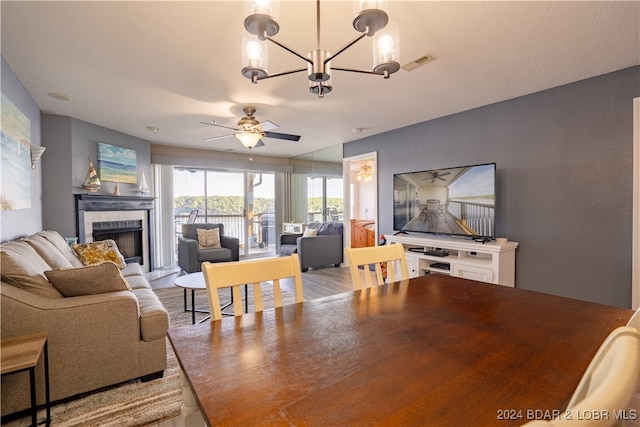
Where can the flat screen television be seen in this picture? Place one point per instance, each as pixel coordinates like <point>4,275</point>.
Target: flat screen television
<point>457,201</point>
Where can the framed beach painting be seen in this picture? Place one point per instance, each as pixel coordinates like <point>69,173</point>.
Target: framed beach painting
<point>15,171</point>
<point>117,164</point>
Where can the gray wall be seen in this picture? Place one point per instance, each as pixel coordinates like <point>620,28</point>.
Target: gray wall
<point>565,170</point>
<point>22,222</point>
<point>71,143</point>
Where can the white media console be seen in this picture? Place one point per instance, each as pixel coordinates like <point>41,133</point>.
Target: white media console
<point>489,262</point>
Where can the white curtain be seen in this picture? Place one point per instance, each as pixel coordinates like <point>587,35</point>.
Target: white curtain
<point>165,235</point>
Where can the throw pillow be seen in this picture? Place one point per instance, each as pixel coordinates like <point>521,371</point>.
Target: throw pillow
<point>65,248</point>
<point>23,268</point>
<point>98,252</point>
<point>310,232</point>
<point>88,280</point>
<point>49,253</point>
<point>208,238</point>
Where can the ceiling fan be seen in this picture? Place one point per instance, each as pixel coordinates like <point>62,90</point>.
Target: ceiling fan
<point>250,131</point>
<point>436,175</point>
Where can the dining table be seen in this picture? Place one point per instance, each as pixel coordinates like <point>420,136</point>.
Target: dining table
<point>434,350</point>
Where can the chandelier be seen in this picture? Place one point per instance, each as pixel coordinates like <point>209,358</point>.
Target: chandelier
<point>370,20</point>
<point>365,173</point>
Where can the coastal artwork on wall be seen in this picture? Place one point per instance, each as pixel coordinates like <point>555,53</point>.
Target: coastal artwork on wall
<point>15,178</point>
<point>117,164</point>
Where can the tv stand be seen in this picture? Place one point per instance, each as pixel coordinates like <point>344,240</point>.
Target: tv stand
<point>483,261</point>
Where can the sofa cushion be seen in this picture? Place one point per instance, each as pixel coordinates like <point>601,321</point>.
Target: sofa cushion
<point>49,253</point>
<point>215,255</point>
<point>132,269</point>
<point>154,320</point>
<point>327,229</point>
<point>22,267</point>
<point>137,282</point>
<point>88,280</point>
<point>59,242</point>
<point>98,252</point>
<point>208,238</point>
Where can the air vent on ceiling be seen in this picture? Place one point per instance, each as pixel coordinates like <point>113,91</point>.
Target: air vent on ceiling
<point>410,66</point>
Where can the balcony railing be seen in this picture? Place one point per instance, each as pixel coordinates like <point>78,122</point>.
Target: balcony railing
<point>317,216</point>
<point>476,216</point>
<point>263,233</point>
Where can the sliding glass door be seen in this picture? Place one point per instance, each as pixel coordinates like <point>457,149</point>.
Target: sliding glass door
<point>324,199</point>
<point>260,208</point>
<point>242,201</point>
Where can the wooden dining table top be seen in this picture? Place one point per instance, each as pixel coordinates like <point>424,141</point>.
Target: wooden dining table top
<point>434,350</point>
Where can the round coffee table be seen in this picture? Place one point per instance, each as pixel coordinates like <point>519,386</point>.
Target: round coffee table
<point>194,282</point>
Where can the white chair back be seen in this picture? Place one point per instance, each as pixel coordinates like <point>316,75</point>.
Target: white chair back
<point>634,322</point>
<point>607,386</point>
<point>253,272</point>
<point>392,255</point>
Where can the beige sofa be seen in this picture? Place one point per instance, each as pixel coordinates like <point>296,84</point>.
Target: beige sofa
<point>96,339</point>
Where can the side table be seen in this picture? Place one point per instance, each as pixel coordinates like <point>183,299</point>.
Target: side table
<point>22,353</point>
<point>195,281</point>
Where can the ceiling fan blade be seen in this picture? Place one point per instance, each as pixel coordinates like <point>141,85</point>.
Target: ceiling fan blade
<point>217,125</point>
<point>217,137</point>
<point>286,136</point>
<point>267,125</point>
<point>444,174</point>
<point>259,144</point>
<point>441,179</point>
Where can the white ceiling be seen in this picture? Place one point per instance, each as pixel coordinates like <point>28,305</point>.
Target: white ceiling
<point>128,65</point>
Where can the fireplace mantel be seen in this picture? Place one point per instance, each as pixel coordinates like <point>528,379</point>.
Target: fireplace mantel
<point>95,203</point>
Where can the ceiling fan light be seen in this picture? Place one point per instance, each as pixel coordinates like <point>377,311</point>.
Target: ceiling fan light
<point>249,139</point>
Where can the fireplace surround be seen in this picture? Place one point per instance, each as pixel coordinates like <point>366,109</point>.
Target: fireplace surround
<point>126,219</point>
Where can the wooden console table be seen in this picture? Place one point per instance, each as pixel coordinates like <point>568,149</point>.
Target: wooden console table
<point>22,353</point>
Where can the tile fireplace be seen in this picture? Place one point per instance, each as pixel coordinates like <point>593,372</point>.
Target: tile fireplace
<point>128,220</point>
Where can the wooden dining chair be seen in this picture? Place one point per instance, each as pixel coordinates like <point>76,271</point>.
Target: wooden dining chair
<point>634,322</point>
<point>236,274</point>
<point>607,386</point>
<point>390,255</point>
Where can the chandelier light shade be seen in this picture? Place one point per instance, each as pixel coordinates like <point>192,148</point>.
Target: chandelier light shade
<point>265,15</point>
<point>386,50</point>
<point>370,19</point>
<point>255,53</point>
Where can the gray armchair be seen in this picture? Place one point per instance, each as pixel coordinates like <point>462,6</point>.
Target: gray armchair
<point>324,249</point>
<point>190,257</point>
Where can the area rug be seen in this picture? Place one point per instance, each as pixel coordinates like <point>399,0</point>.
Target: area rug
<point>135,403</point>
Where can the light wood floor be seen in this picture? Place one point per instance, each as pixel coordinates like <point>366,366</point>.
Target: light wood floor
<point>316,283</point>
